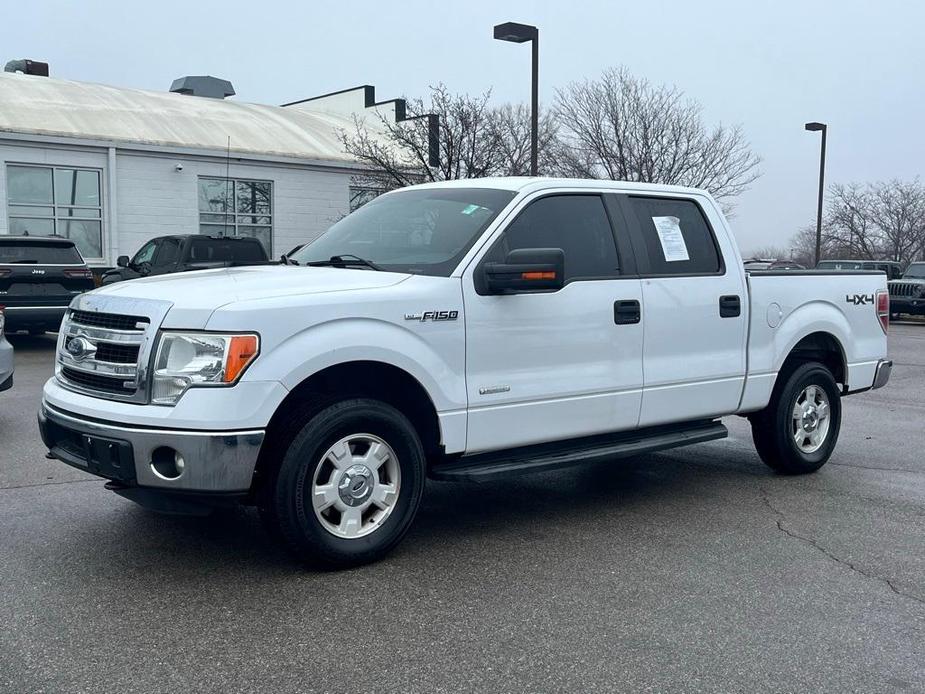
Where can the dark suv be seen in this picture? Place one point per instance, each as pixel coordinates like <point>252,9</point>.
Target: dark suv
<point>39,275</point>
<point>907,295</point>
<point>167,254</point>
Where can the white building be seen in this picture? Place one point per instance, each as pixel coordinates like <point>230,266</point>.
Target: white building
<point>112,167</point>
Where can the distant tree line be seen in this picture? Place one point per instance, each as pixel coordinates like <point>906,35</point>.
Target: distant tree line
<point>873,221</point>
<point>616,127</point>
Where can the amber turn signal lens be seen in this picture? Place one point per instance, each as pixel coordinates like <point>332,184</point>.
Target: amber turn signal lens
<point>538,275</point>
<point>241,352</point>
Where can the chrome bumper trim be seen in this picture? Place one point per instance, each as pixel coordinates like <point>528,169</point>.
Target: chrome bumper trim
<point>882,375</point>
<point>215,461</point>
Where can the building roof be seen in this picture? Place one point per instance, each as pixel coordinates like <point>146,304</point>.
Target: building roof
<point>43,106</point>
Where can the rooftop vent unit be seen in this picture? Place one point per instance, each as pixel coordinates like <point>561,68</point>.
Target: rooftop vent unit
<point>203,85</point>
<point>28,67</point>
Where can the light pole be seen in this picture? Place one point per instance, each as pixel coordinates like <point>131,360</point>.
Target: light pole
<point>817,127</point>
<point>521,33</point>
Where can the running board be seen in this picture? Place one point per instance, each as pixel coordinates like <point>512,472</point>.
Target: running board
<point>554,456</point>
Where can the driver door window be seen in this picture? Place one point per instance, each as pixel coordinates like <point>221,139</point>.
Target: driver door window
<point>578,224</point>
<point>166,256</point>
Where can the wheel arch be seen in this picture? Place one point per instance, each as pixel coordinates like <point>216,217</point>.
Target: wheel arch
<point>358,378</point>
<point>821,346</point>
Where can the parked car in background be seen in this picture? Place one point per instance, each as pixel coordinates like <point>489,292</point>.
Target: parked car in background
<point>768,264</point>
<point>907,295</point>
<point>182,253</point>
<point>6,357</point>
<point>892,269</point>
<point>39,275</point>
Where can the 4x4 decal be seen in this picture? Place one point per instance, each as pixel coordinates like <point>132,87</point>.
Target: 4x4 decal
<point>860,299</point>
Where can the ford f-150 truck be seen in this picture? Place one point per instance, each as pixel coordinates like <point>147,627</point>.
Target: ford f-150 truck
<point>462,331</point>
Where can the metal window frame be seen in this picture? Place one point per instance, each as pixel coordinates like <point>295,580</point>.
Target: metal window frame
<point>56,219</point>
<point>234,224</point>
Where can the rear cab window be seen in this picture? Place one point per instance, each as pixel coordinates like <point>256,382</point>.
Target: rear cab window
<point>675,237</point>
<point>39,253</point>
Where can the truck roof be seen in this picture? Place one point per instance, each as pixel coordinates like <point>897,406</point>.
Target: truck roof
<point>530,183</point>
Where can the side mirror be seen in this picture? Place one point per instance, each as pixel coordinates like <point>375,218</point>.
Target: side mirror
<point>526,270</point>
<point>122,261</point>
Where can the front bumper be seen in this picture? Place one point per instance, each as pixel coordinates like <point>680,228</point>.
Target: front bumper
<point>214,461</point>
<point>23,317</point>
<point>882,375</point>
<point>904,304</point>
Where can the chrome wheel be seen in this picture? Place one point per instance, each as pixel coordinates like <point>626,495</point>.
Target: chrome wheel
<point>810,419</point>
<point>356,485</point>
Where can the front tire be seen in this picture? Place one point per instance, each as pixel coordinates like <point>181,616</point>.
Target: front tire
<point>797,432</point>
<point>349,484</point>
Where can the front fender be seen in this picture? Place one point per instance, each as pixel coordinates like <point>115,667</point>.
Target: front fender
<point>433,353</point>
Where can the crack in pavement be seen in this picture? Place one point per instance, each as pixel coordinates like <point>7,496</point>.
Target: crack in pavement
<point>885,469</point>
<point>838,560</point>
<point>46,484</point>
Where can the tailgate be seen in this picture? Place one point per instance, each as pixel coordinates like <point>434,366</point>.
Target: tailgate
<point>42,285</point>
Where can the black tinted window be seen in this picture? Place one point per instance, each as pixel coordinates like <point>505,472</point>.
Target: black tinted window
<point>676,236</point>
<point>577,224</point>
<point>39,253</point>
<point>226,251</point>
<point>167,253</point>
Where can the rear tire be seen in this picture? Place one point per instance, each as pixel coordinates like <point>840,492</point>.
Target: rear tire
<point>797,432</point>
<point>349,484</point>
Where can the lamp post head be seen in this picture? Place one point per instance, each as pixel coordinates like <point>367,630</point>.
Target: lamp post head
<point>815,127</point>
<point>515,33</point>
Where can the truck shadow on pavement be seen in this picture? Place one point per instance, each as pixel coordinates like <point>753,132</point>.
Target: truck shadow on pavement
<point>514,515</point>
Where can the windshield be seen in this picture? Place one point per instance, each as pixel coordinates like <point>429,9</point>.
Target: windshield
<point>915,271</point>
<point>423,231</point>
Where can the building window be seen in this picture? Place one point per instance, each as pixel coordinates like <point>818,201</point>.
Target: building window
<point>48,200</point>
<point>236,207</point>
<point>359,196</point>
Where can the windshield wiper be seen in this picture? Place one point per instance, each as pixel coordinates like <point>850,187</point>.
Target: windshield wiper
<point>345,260</point>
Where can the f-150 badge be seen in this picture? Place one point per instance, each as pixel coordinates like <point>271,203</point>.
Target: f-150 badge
<point>432,315</point>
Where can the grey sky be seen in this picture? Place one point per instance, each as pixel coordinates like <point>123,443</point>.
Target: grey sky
<point>768,66</point>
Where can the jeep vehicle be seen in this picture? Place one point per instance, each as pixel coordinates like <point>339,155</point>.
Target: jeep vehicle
<point>39,276</point>
<point>907,295</point>
<point>461,330</point>
<point>182,253</point>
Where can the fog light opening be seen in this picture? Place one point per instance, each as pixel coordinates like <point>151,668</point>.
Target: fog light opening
<point>167,463</point>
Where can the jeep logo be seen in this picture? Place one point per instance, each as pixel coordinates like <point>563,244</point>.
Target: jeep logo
<point>38,272</point>
<point>860,299</point>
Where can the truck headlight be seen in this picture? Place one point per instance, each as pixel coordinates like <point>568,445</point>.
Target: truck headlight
<point>187,360</point>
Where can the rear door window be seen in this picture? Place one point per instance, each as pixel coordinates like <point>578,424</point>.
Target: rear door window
<point>675,236</point>
<point>39,253</point>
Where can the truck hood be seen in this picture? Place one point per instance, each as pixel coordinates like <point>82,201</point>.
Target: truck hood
<point>196,295</point>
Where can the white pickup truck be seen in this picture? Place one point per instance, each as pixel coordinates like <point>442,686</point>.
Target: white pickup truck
<point>459,331</point>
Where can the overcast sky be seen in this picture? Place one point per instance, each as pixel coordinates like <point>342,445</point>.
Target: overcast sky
<point>768,66</point>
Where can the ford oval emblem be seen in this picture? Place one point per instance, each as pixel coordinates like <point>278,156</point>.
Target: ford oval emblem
<point>80,348</point>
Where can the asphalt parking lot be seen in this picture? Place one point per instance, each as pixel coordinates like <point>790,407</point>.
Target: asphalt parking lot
<point>692,570</point>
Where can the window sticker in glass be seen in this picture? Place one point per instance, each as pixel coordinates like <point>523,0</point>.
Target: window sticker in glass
<point>671,238</point>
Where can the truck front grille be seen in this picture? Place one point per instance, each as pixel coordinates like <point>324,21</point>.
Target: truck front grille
<point>112,321</point>
<point>92,381</point>
<point>104,354</point>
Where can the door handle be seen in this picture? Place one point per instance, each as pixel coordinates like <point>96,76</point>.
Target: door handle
<point>626,312</point>
<point>730,306</point>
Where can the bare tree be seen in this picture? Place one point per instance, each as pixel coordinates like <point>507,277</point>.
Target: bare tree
<point>884,220</point>
<point>898,211</point>
<point>475,140</point>
<point>623,128</point>
<point>511,128</point>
